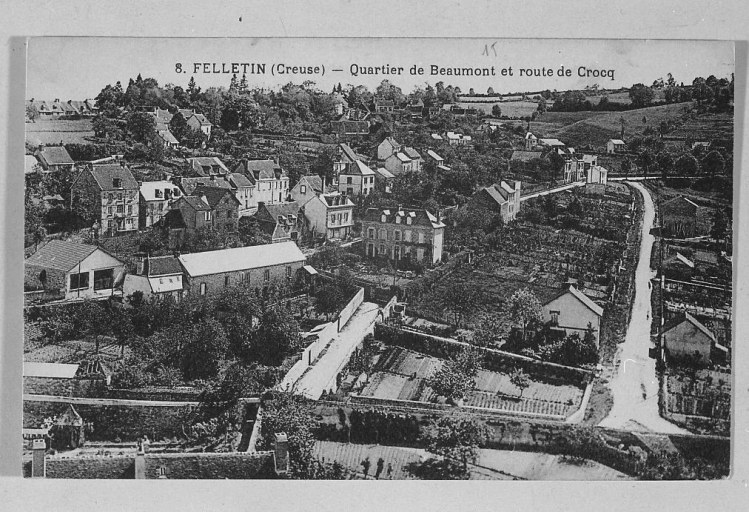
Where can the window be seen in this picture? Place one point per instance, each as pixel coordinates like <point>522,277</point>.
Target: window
<point>129,209</point>
<point>288,272</point>
<point>383,234</point>
<point>119,196</point>
<point>408,220</point>
<point>203,288</point>
<point>79,281</point>
<point>397,236</point>
<point>227,281</point>
<point>266,275</point>
<point>345,217</point>
<point>350,191</point>
<point>111,197</point>
<point>207,216</point>
<point>554,317</point>
<point>349,180</point>
<point>407,236</point>
<point>109,210</point>
<point>421,238</point>
<point>120,208</point>
<point>117,183</point>
<point>382,249</point>
<point>303,189</point>
<point>397,219</point>
<point>157,193</point>
<point>383,218</point>
<point>371,233</point>
<point>161,206</point>
<point>103,279</point>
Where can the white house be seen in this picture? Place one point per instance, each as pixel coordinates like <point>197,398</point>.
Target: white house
<point>159,276</point>
<point>615,146</point>
<point>356,179</point>
<point>573,312</point>
<point>331,215</point>
<point>306,188</point>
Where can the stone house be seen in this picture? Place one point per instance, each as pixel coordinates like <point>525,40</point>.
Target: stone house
<point>197,121</point>
<point>330,215</point>
<point>502,198</point>
<point>399,163</point>
<point>110,194</point>
<point>615,146</point>
<point>282,221</point>
<point>403,233</point>
<point>73,271</point>
<point>387,147</point>
<point>256,267</point>
<point>384,179</point>
<point>214,208</point>
<point>207,166</point>
<point>356,179</point>
<point>572,312</point>
<point>155,198</point>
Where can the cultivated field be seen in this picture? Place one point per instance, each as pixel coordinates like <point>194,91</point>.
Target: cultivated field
<point>401,374</point>
<point>54,131</point>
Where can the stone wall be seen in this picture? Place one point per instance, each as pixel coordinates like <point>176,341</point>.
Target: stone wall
<point>64,387</point>
<point>211,465</point>
<point>111,420</point>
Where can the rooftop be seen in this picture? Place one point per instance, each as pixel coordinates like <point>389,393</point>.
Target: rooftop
<point>61,255</point>
<point>241,258</point>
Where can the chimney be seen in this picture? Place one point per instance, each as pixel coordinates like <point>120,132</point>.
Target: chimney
<point>57,100</point>
<point>281,453</point>
<point>38,460</point>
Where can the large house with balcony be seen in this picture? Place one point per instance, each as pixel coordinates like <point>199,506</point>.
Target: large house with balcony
<point>109,196</point>
<point>330,215</point>
<point>403,233</point>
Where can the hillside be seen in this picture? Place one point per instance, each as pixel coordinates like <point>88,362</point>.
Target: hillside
<point>600,127</point>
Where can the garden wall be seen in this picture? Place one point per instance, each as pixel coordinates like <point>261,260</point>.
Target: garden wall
<point>112,419</point>
<point>64,386</point>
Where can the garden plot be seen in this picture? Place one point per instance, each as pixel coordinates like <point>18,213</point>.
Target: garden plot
<point>57,130</point>
<point>401,374</point>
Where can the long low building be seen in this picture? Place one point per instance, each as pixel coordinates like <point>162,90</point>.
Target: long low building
<point>255,267</point>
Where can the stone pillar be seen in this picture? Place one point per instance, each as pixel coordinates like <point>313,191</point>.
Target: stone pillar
<point>281,453</point>
<point>38,461</point>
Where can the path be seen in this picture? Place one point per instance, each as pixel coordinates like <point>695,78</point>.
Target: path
<point>635,385</point>
<point>322,373</point>
<point>553,190</point>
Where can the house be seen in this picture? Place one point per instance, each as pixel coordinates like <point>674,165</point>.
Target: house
<point>190,185</point>
<point>416,110</point>
<point>399,163</point>
<point>306,188</point>
<point>524,155</point>
<point>615,146</point>
<point>434,157</point>
<point>502,198</point>
<point>685,338</point>
<point>30,165</point>
<point>345,128</point>
<point>158,276</point>
<point>73,270</point>
<point>243,190</point>
<point>531,141</point>
<point>340,105</point>
<point>384,180</point>
<point>415,158</point>
<point>155,197</point>
<point>550,143</point>
<point>282,221</point>
<point>167,138</point>
<point>197,121</point>
<point>356,179</point>
<point>572,312</point>
<point>271,182</point>
<point>110,196</point>
<point>387,147</point>
<point>701,144</point>
<point>383,105</point>
<point>405,233</point>
<point>679,218</point>
<point>209,207</point>
<point>346,156</point>
<point>330,215</point>
<point>54,158</point>
<point>257,267</point>
<point>207,166</point>
<point>596,174</point>
<point>457,139</point>
<point>437,137</point>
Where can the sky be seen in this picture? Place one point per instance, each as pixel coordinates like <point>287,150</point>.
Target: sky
<point>79,67</point>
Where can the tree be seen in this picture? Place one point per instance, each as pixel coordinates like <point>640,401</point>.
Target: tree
<point>490,91</point>
<point>456,377</point>
<point>720,225</point>
<point>462,301</point>
<point>525,309</point>
<point>687,165</point>
<point>204,347</point>
<point>32,113</point>
<point>713,163</point>
<point>277,337</point>
<point>141,126</point>
<point>626,166</point>
<point>645,160</point>
<point>329,300</point>
<point>542,105</point>
<point>665,163</point>
<point>488,333</point>
<point>496,111</point>
<point>289,414</point>
<point>641,96</point>
<point>520,380</point>
<point>456,438</point>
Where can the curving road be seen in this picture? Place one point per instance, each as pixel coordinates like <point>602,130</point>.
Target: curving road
<point>635,385</point>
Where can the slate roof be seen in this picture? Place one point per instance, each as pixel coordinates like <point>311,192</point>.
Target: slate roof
<point>214,195</point>
<point>420,216</point>
<point>241,258</point>
<point>259,169</point>
<point>167,136</point>
<point>335,199</point>
<point>595,308</point>
<point>384,173</point>
<point>214,164</point>
<point>350,153</point>
<point>412,153</point>
<point>282,209</point>
<point>434,156</point>
<point>358,168</point>
<point>60,255</point>
<point>55,155</point>
<point>190,185</point>
<point>106,174</point>
<point>240,180</point>
<point>686,317</point>
<point>196,203</point>
<point>314,181</point>
<point>163,266</point>
<point>616,141</point>
<point>551,142</point>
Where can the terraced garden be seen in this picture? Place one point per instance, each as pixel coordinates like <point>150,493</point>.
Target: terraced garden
<point>402,374</point>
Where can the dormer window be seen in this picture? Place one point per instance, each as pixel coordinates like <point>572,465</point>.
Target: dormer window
<point>158,193</point>
<point>117,182</point>
<point>408,220</point>
<point>384,218</point>
<point>397,219</point>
